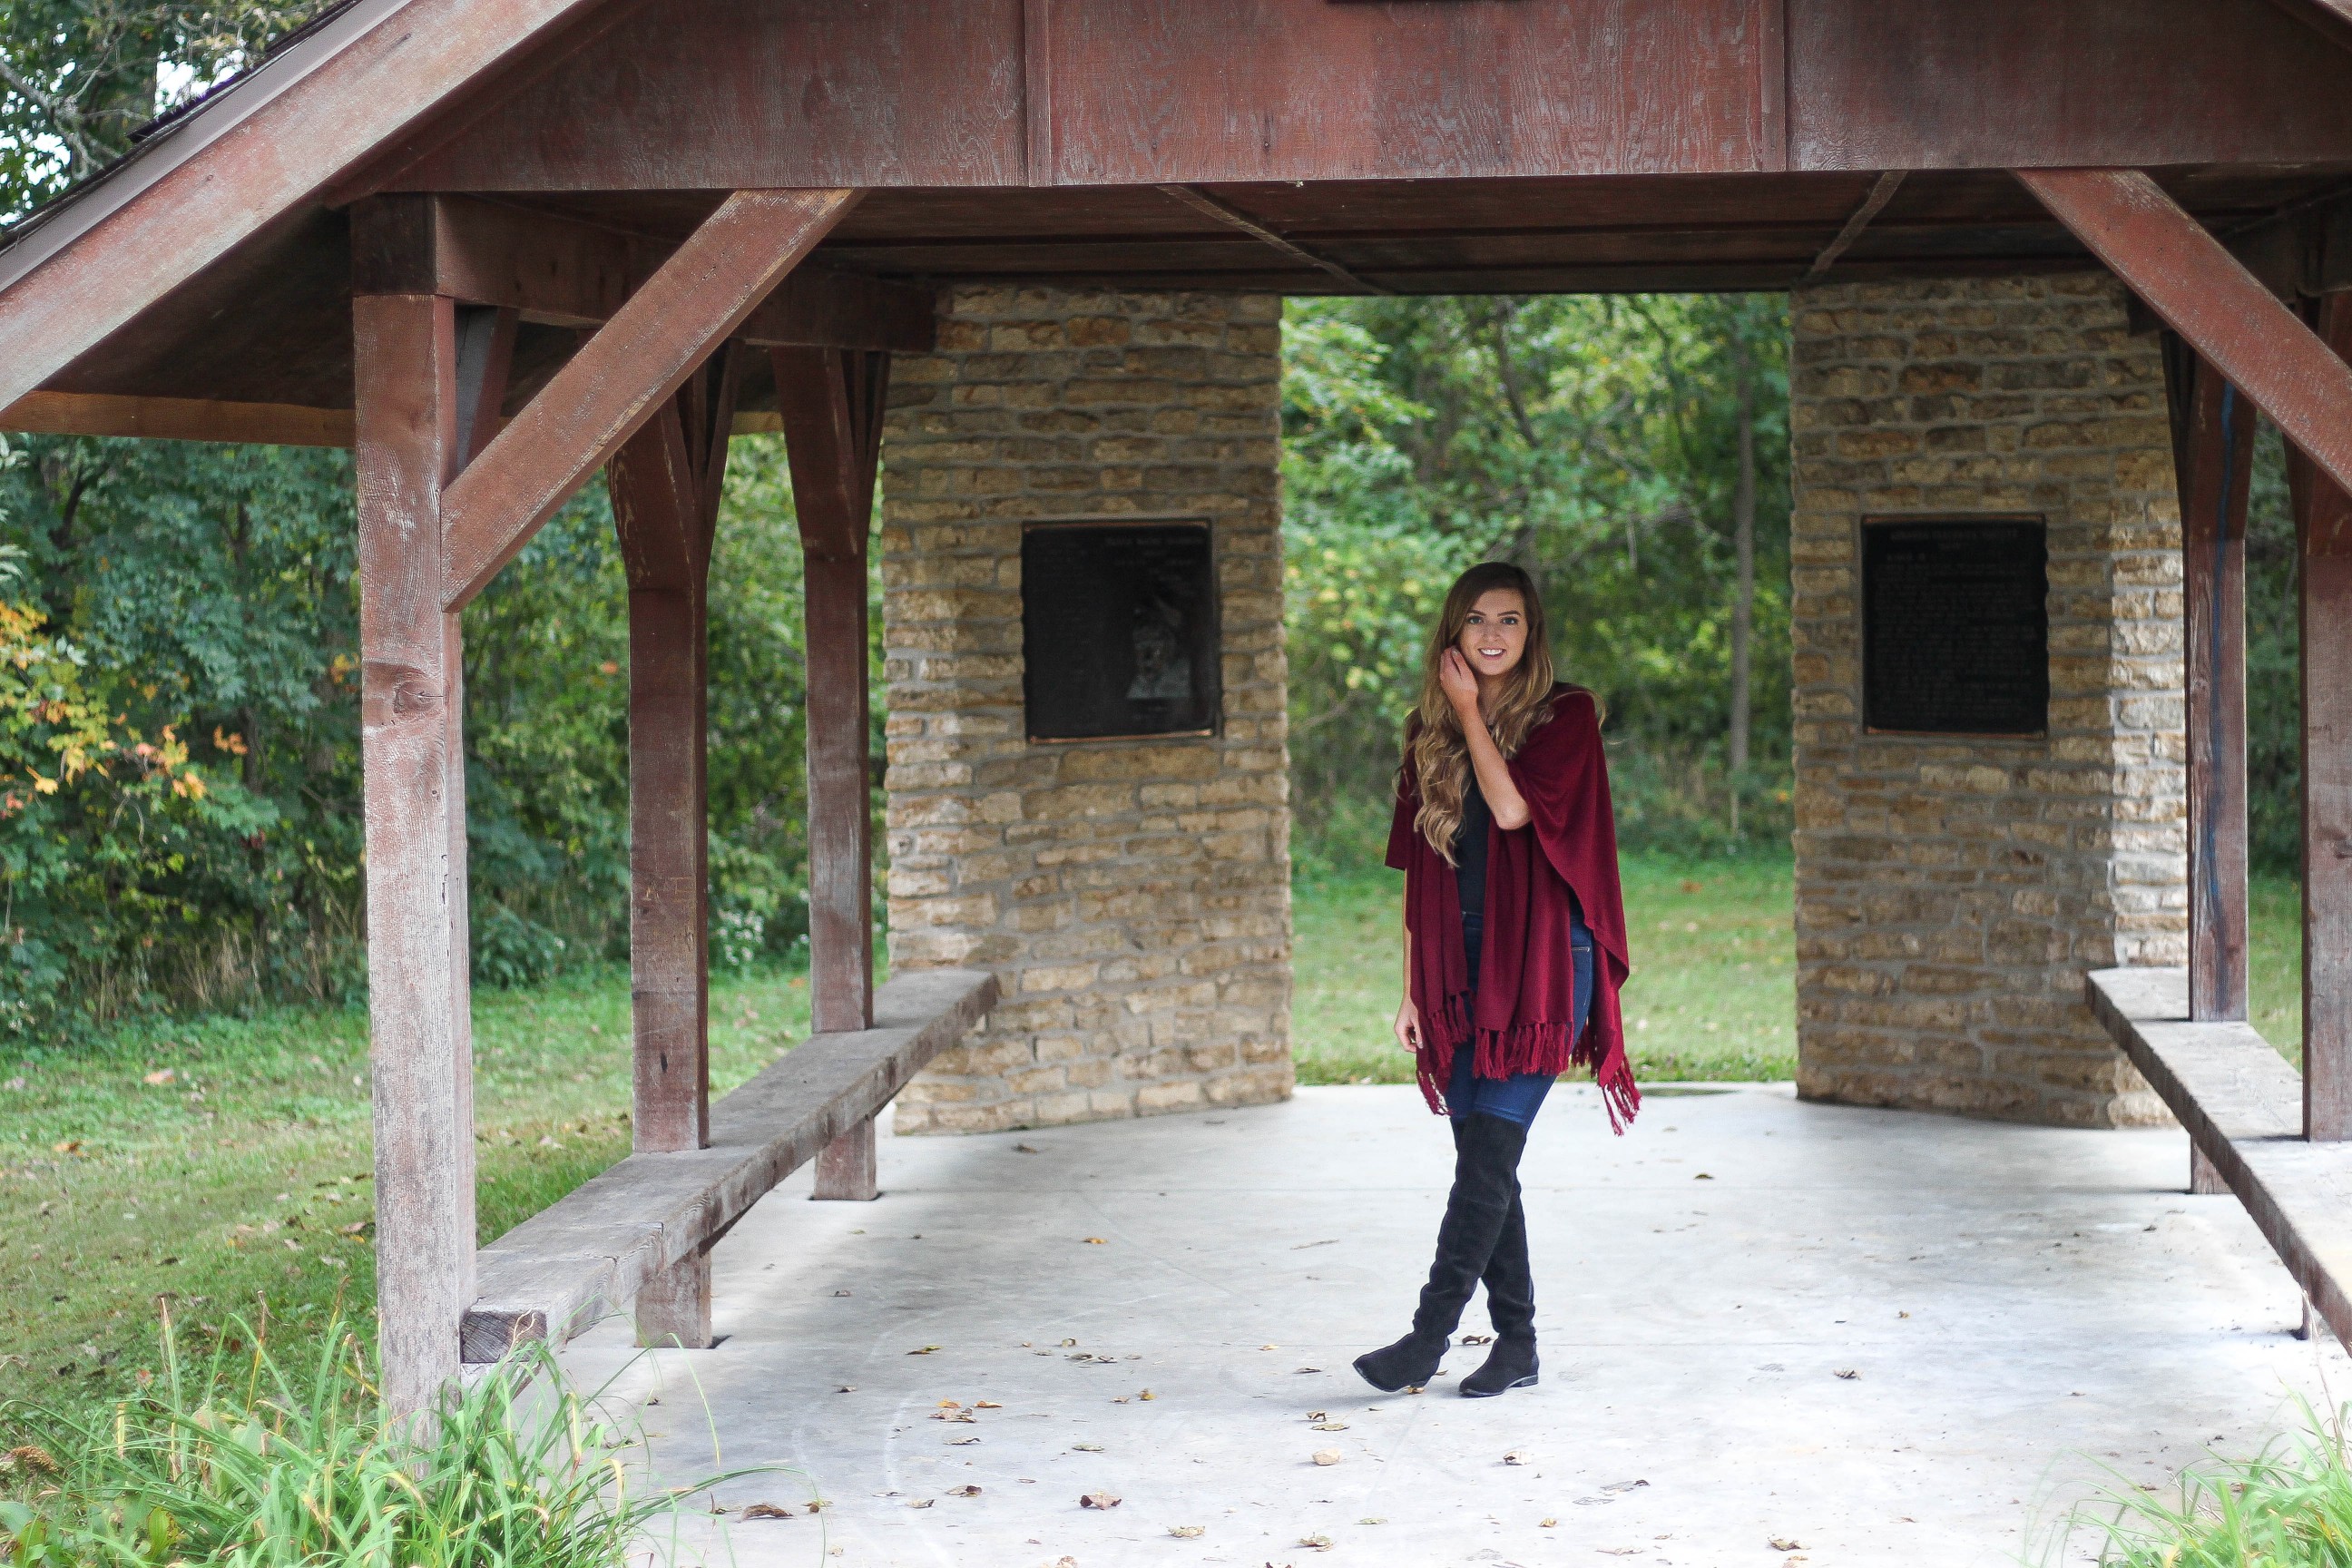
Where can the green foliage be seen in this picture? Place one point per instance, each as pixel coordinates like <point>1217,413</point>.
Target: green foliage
<point>245,1460</point>
<point>2288,1507</point>
<point>1594,441</point>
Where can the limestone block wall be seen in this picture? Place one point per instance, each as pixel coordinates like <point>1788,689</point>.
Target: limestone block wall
<point>1132,896</point>
<point>1950,893</point>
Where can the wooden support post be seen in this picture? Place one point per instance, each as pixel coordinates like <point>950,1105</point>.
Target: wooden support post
<point>2213,448</point>
<point>666,482</point>
<point>410,444</point>
<point>832,401</point>
<point>2204,1181</point>
<point>2323,527</point>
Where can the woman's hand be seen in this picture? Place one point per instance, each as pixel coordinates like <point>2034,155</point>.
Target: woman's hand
<point>1455,679</point>
<point>1408,1026</point>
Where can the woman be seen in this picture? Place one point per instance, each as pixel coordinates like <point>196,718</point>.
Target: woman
<point>1513,946</point>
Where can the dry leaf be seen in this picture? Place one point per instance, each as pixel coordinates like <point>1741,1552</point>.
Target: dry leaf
<point>1187,1532</point>
<point>986,1404</point>
<point>1623,1486</point>
<point>845,1388</point>
<point>1702,1177</point>
<point>950,1405</point>
<point>1320,1542</point>
<point>1327,1456</point>
<point>1330,1425</point>
<point>1121,1400</point>
<point>1097,1241</point>
<point>1477,1338</point>
<point>1147,1393</point>
<point>1103,1500</point>
<point>1310,1369</point>
<point>1516,1457</point>
<point>1849,1373</point>
<point>960,1442</point>
<point>966,1416</point>
<point>1317,1415</point>
<point>1022,1149</point>
<point>1087,1447</point>
<point>924,1350</point>
<point>1382,1519</point>
<point>966,1491</point>
<point>160,1076</point>
<point>1781,1544</point>
<point>1067,1344</point>
<point>818,1504</point>
<point>1547,1524</point>
<point>921,1502</point>
<point>768,1510</point>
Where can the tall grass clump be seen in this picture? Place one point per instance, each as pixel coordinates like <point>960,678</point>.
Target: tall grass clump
<point>2288,1507</point>
<point>244,1461</point>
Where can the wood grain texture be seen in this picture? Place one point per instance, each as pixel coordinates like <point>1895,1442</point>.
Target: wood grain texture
<point>634,363</point>
<point>1943,84</point>
<point>2323,526</point>
<point>203,187</point>
<point>832,404</point>
<point>697,95</point>
<point>2213,459</point>
<point>413,757</point>
<point>596,1248</point>
<point>2242,1107</point>
<point>177,419</point>
<point>665,483</point>
<point>848,1171</point>
<point>672,1307</point>
<point>2183,274</point>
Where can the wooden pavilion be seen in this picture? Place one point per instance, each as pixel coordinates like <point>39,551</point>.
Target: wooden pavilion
<point>497,246</point>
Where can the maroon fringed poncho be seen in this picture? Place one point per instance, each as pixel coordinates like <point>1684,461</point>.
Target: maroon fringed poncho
<point>1524,1008</point>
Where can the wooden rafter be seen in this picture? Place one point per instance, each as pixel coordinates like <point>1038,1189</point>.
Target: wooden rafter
<point>1232,217</point>
<point>2331,19</point>
<point>633,365</point>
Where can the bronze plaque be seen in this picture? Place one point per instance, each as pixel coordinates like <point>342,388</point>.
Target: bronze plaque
<point>1118,629</point>
<point>1955,626</point>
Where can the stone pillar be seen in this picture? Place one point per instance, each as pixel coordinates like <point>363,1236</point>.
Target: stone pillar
<point>1132,896</point>
<point>1950,892</point>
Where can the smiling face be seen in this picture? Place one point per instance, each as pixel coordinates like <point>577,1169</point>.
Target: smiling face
<point>1495,639</point>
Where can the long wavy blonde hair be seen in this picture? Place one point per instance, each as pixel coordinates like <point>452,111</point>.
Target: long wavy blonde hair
<point>1439,754</point>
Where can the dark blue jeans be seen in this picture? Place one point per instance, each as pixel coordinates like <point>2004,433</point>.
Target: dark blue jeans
<point>1520,1096</point>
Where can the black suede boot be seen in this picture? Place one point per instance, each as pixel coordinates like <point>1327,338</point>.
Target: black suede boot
<point>1486,1165</point>
<point>1511,1304</point>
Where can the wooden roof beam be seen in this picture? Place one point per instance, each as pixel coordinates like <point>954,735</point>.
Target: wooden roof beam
<point>2332,19</point>
<point>2201,292</point>
<point>560,272</point>
<point>203,187</point>
<point>1232,217</point>
<point>642,355</point>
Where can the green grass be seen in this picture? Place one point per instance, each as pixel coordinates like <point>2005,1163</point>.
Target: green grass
<point>245,1171</point>
<point>1713,993</point>
<point>2275,962</point>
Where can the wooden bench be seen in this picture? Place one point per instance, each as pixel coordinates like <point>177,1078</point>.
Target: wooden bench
<point>2242,1105</point>
<point>590,1252</point>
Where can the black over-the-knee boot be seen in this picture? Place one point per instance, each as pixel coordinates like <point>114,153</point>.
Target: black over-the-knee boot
<point>1511,1305</point>
<point>1485,1163</point>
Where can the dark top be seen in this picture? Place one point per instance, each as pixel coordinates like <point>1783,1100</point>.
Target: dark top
<point>1470,849</point>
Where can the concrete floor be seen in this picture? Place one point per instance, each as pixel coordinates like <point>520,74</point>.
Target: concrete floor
<point>2017,1307</point>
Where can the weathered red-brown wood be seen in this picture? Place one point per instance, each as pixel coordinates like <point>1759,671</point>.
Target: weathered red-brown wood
<point>562,270</point>
<point>316,108</point>
<point>2213,451</point>
<point>2206,295</point>
<point>412,752</point>
<point>2323,519</point>
<point>177,419</point>
<point>635,360</point>
<point>832,404</point>
<point>665,483</point>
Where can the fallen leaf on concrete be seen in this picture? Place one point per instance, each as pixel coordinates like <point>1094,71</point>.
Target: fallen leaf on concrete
<point>1516,1457</point>
<point>1187,1532</point>
<point>1069,1344</point>
<point>1619,1551</point>
<point>951,1404</point>
<point>1330,1425</point>
<point>1087,1447</point>
<point>1269,1347</point>
<point>1102,1500</point>
<point>768,1510</point>
<point>926,1349</point>
<point>1380,1521</point>
<point>1849,1373</point>
<point>1477,1338</point>
<point>1121,1400</point>
<point>841,1293</point>
<point>1097,1241</point>
<point>1547,1524</point>
<point>966,1491</point>
<point>1317,1415</point>
<point>986,1404</point>
<point>921,1502</point>
<point>966,1416</point>
<point>1702,1177</point>
<point>1320,1542</point>
<point>1781,1544</point>
<point>819,1504</point>
<point>1310,1369</point>
<point>845,1388</point>
<point>1327,1456</point>
<point>1623,1486</point>
<point>1022,1149</point>
<point>1147,1394</point>
<point>962,1442</point>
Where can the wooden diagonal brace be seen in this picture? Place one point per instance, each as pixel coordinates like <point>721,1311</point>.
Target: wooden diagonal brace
<point>2207,296</point>
<point>634,363</point>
